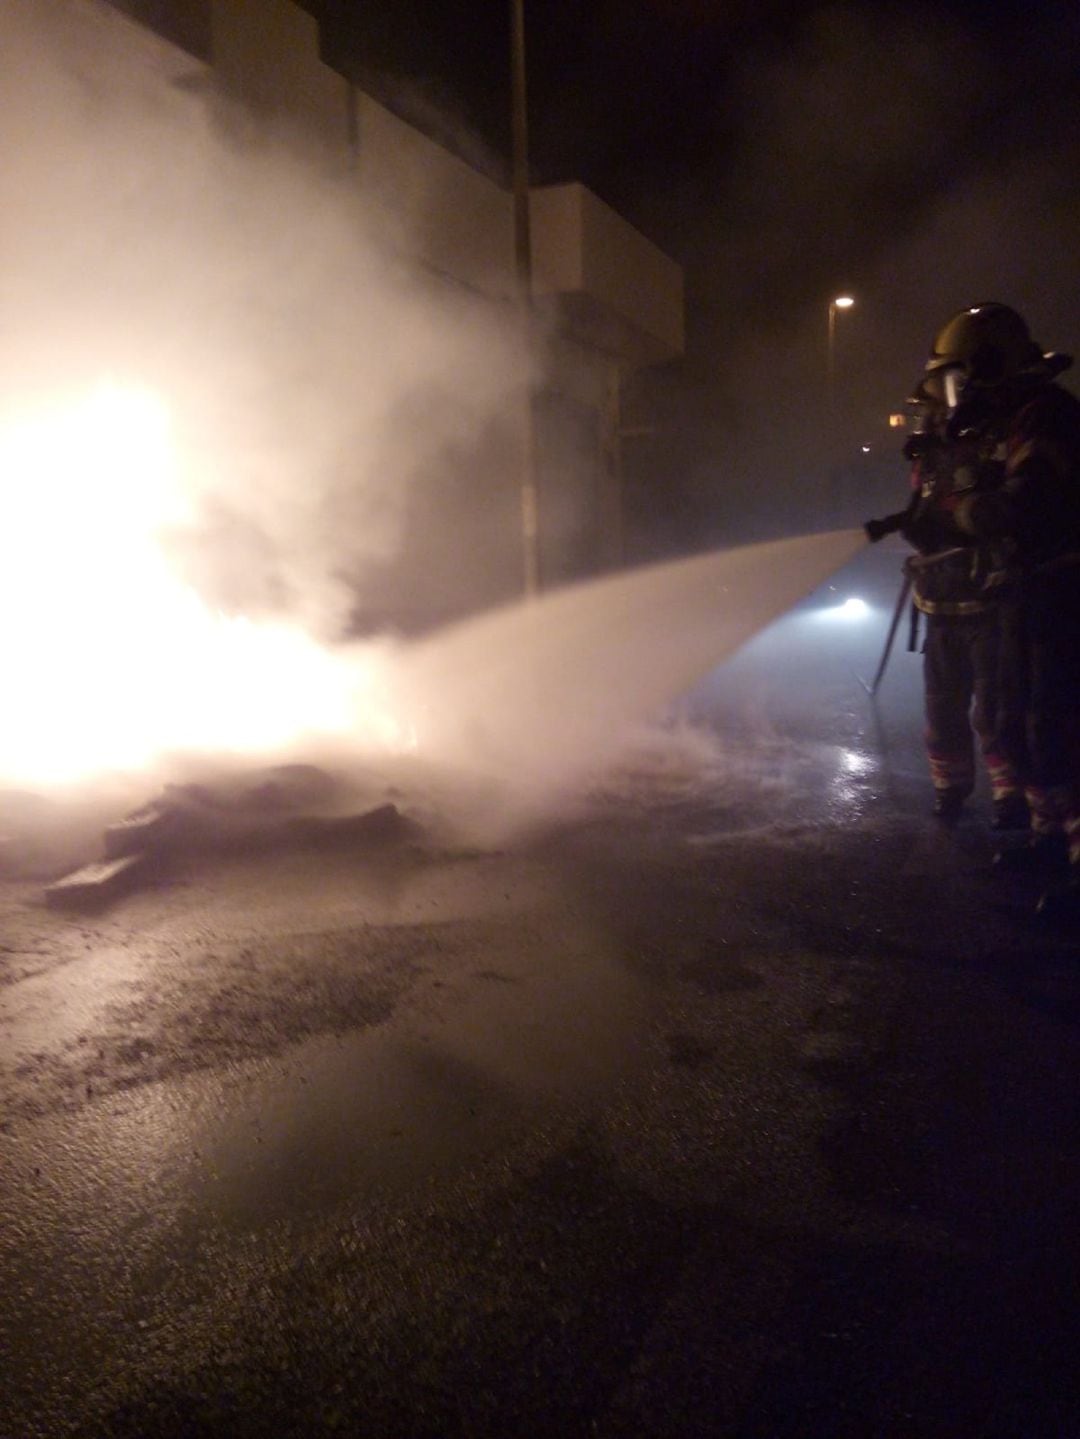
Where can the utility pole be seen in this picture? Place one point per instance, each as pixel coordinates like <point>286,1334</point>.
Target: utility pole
<point>614,527</point>
<point>842,302</point>
<point>530,509</point>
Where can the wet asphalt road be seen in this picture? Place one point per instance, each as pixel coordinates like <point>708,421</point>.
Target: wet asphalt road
<point>741,1103</point>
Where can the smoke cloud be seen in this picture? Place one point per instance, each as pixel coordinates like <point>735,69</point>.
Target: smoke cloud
<point>315,384</point>
<point>327,408</point>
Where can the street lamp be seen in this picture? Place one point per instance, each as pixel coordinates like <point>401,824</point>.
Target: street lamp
<point>841,302</point>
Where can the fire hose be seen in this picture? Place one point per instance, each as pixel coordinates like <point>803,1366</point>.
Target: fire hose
<point>911,566</point>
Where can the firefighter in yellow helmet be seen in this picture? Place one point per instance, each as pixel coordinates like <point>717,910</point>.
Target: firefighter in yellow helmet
<point>1000,394</point>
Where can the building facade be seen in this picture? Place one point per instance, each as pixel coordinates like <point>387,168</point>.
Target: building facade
<point>606,301</point>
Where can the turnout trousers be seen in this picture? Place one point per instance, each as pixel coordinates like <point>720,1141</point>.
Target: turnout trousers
<point>1039,698</point>
<point>961,658</point>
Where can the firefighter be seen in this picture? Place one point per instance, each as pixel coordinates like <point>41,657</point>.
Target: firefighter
<point>953,588</point>
<point>999,391</point>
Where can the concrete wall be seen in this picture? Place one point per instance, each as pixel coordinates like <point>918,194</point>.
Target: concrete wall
<point>452,218</point>
<point>184,23</point>
<point>609,300</point>
<point>267,53</point>
<point>619,290</point>
<point>623,291</point>
<point>624,270</point>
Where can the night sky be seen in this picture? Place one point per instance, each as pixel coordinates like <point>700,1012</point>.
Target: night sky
<point>921,156</point>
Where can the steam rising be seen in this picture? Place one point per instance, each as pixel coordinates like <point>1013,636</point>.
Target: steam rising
<point>312,382</point>
<point>537,694</point>
<point>221,403</point>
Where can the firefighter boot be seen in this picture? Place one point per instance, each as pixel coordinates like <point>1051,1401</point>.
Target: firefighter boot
<point>949,801</point>
<point>1042,854</point>
<point>1010,811</point>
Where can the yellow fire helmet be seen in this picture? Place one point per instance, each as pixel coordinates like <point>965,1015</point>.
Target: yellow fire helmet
<point>982,345</point>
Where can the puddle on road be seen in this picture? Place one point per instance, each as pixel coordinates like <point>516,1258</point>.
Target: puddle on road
<point>366,1113</point>
<point>551,1018</point>
<point>556,1021</point>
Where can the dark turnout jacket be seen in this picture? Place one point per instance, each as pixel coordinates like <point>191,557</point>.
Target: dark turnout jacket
<point>1036,508</point>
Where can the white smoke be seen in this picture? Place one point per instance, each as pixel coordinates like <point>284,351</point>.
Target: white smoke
<point>314,382</point>
<point>537,695</point>
<point>300,386</point>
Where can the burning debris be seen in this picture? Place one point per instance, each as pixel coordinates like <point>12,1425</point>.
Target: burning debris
<point>290,804</point>
<point>200,466</point>
<point>97,884</point>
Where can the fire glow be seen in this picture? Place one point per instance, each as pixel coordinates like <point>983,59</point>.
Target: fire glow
<point>115,666</point>
<point>111,662</point>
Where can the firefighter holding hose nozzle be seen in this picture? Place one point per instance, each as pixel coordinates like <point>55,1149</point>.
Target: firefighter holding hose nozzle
<point>999,393</point>
<point>953,585</point>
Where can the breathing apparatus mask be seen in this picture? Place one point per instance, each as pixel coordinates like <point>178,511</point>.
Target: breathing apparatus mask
<point>927,424</point>
<point>956,385</point>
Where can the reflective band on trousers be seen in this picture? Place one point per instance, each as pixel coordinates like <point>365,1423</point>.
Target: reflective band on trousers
<point>951,607</point>
<point>952,771</point>
<point>1003,781</point>
<point>1052,807</point>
